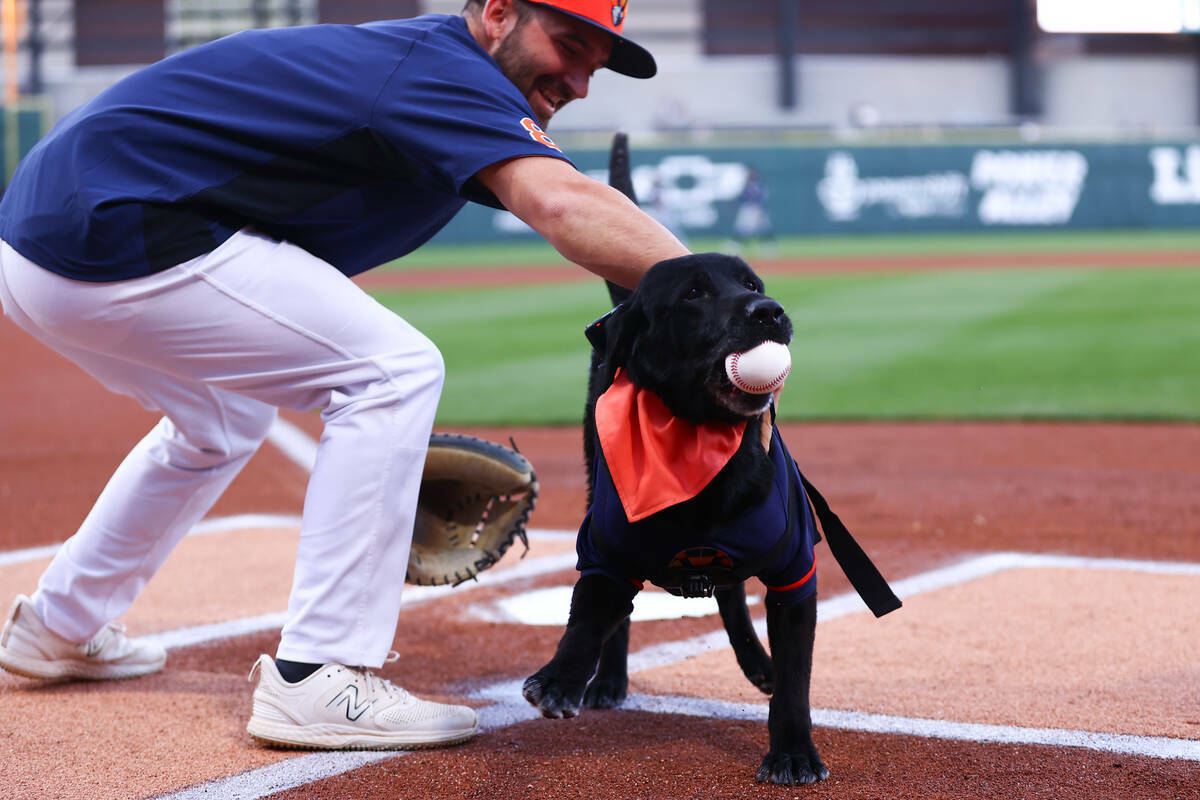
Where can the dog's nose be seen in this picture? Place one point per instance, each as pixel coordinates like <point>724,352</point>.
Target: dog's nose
<point>764,310</point>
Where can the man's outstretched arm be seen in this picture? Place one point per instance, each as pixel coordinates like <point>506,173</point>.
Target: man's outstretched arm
<point>588,222</point>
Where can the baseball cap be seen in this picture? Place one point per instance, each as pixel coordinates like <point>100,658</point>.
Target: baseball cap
<point>628,57</point>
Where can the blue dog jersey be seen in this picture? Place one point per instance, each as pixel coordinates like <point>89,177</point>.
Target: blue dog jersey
<point>648,549</point>
<point>357,143</point>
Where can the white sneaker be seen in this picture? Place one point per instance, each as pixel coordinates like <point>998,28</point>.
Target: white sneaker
<point>346,708</point>
<point>29,648</point>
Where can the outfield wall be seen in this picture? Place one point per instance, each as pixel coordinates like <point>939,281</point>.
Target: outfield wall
<point>839,190</point>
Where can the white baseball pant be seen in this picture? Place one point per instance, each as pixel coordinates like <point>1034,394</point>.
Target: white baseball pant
<point>216,344</point>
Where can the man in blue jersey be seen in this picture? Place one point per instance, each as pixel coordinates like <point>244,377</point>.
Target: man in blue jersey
<point>187,238</point>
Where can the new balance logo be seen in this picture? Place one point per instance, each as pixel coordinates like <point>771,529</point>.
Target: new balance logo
<point>349,696</point>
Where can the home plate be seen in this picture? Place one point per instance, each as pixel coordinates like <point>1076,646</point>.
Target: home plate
<point>551,606</point>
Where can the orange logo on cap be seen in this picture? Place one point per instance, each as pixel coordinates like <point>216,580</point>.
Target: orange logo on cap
<point>537,134</point>
<point>618,12</point>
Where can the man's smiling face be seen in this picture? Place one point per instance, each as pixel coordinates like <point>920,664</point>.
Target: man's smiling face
<point>551,57</point>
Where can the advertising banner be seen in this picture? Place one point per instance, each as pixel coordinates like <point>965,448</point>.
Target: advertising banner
<point>833,190</point>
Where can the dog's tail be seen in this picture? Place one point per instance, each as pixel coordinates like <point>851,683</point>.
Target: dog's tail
<point>620,177</point>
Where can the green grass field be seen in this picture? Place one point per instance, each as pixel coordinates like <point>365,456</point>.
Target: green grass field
<point>1070,343</point>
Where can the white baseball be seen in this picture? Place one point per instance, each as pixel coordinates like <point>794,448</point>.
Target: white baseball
<point>761,369</point>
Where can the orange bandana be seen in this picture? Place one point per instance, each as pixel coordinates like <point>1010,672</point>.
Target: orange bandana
<point>657,460</point>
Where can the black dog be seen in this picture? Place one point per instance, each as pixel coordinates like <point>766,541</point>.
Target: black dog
<point>666,346</point>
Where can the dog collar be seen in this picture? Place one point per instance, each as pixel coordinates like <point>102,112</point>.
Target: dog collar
<point>657,460</point>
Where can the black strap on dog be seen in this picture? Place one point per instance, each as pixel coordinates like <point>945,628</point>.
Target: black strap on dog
<point>871,586</point>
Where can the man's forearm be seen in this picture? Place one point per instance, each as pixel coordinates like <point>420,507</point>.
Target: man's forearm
<point>589,222</point>
<point>604,232</point>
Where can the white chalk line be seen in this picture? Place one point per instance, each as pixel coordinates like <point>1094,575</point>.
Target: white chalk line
<point>195,635</point>
<point>293,443</point>
<point>413,595</point>
<point>1152,746</point>
<point>202,528</point>
<point>279,777</point>
<point>963,572</point>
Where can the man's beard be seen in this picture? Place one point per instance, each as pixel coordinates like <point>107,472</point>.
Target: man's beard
<point>516,66</point>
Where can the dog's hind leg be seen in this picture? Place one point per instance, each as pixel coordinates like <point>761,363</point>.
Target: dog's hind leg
<point>608,688</point>
<point>598,607</point>
<point>751,657</point>
<point>792,758</point>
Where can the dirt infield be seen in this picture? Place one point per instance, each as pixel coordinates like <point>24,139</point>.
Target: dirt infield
<point>1048,648</point>
<point>515,275</point>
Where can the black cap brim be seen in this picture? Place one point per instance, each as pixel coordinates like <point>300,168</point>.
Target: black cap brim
<point>628,57</point>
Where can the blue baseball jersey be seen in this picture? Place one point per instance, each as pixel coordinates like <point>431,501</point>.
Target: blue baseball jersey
<point>647,548</point>
<point>357,143</point>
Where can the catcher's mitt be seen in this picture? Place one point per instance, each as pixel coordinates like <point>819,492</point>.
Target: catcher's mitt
<point>475,500</point>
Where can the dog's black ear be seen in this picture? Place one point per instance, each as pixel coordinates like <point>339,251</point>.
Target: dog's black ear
<point>612,337</point>
<point>597,331</point>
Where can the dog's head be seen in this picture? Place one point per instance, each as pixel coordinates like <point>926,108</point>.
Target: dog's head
<point>673,333</point>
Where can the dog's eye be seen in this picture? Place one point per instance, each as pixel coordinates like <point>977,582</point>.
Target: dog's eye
<point>693,293</point>
<point>751,285</point>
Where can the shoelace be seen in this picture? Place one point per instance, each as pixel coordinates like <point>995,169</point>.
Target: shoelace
<point>101,639</point>
<point>372,680</point>
<point>369,678</point>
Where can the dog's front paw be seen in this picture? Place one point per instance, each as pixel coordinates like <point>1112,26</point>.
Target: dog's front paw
<point>605,693</point>
<point>554,698</point>
<point>792,769</point>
